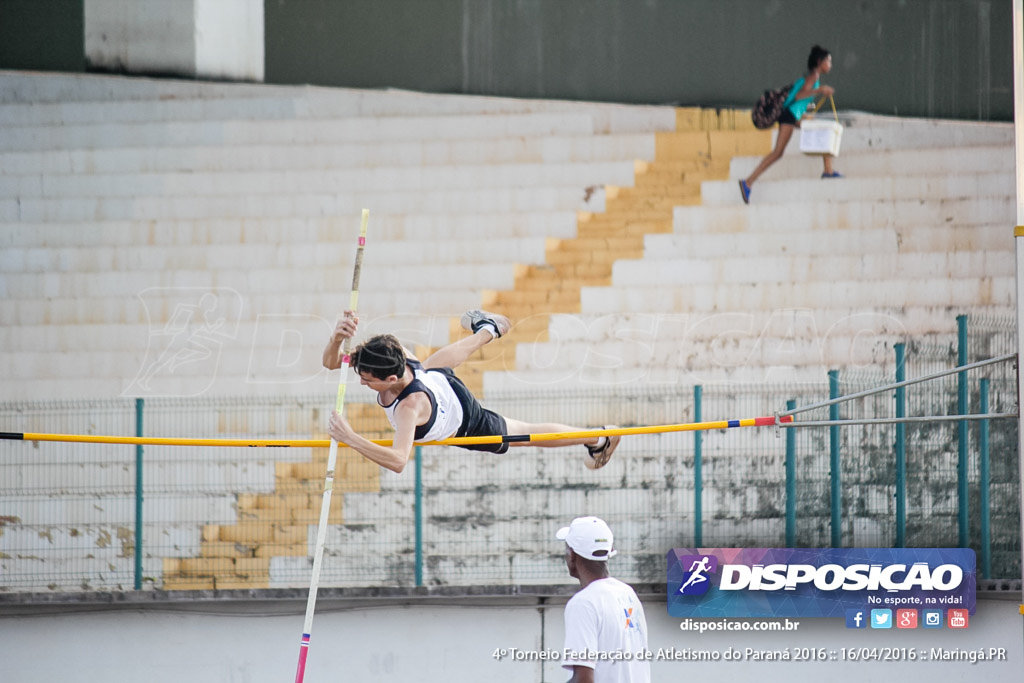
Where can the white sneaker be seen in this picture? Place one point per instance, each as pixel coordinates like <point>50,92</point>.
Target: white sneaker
<point>598,456</point>
<point>476,320</point>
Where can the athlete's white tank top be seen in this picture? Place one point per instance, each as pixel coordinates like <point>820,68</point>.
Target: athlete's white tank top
<point>446,411</point>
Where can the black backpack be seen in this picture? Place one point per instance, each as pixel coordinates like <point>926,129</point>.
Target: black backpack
<point>769,108</point>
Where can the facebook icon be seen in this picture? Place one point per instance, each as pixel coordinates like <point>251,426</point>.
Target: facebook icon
<point>856,618</point>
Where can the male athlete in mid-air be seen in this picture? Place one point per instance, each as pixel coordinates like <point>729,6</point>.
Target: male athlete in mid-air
<point>427,402</point>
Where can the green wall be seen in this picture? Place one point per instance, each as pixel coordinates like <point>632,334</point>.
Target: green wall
<point>42,35</point>
<point>934,58</point>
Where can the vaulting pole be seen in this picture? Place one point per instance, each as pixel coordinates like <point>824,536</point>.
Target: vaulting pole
<point>332,460</point>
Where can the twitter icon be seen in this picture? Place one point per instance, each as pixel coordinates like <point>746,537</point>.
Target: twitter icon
<point>881,618</point>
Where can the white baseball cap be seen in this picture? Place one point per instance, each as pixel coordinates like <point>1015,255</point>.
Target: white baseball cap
<point>589,537</point>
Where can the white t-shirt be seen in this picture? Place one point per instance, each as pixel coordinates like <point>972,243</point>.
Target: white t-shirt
<point>605,629</point>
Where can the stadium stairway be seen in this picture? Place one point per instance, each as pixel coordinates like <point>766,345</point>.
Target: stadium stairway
<point>699,149</point>
<point>814,274</point>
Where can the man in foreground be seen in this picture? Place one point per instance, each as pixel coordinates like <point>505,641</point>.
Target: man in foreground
<point>605,626</point>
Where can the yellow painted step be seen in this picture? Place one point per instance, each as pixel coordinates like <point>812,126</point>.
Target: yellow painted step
<point>352,473</point>
<point>685,146</point>
<point>694,118</point>
<point>284,550</point>
<point>560,257</point>
<point>728,144</point>
<point>293,507</point>
<point>586,219</point>
<point>226,549</point>
<point>206,566</point>
<point>643,169</point>
<point>247,532</point>
<point>592,244</point>
<point>653,191</point>
<point>661,204</point>
<point>627,230</point>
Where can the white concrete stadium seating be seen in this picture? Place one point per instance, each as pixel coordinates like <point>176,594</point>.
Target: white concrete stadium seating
<point>111,510</point>
<point>114,187</point>
<point>309,102</point>
<point>100,542</point>
<point>357,155</point>
<point>919,230</point>
<point>120,198</point>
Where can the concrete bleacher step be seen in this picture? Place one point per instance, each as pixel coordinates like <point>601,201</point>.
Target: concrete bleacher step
<point>199,182</point>
<point>888,293</point>
<point>554,504</point>
<point>114,509</point>
<point>874,189</point>
<point>69,575</point>
<point>930,161</point>
<point>456,469</point>
<point>227,475</point>
<point>83,286</point>
<point>523,568</point>
<point>340,229</point>
<point>267,335</point>
<point>273,255</point>
<point>110,543</point>
<point>901,213</point>
<point>653,377</point>
<point>871,131</point>
<point>810,270</point>
<point>282,205</point>
<point>356,155</point>
<point>340,570</point>
<point>749,351</point>
<point>317,102</point>
<point>654,478</point>
<point>287,132</point>
<point>850,241</point>
<point>645,329</point>
<point>311,305</point>
<point>30,87</point>
<point>37,114</point>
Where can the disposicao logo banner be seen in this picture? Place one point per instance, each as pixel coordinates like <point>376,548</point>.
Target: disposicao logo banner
<point>817,582</point>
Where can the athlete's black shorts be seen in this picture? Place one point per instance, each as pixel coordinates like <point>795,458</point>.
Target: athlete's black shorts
<point>476,420</point>
<point>787,117</point>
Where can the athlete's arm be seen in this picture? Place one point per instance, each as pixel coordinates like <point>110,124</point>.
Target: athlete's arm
<point>411,411</point>
<point>345,329</point>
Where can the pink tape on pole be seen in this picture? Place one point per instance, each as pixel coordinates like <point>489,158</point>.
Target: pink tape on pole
<point>300,672</point>
<point>346,359</point>
<point>362,241</point>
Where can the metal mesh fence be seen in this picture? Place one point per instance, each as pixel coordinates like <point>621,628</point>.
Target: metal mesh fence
<point>228,517</point>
